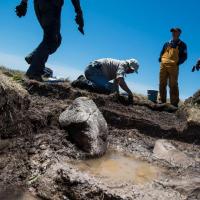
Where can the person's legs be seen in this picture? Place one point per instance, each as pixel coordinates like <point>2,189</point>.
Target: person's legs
<point>163,83</point>
<point>173,84</point>
<point>98,80</point>
<point>82,83</point>
<point>48,15</point>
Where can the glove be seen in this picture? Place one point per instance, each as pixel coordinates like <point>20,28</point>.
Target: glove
<point>130,99</point>
<point>79,20</point>
<point>21,9</point>
<point>196,67</point>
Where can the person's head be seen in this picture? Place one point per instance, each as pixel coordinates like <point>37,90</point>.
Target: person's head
<point>176,32</point>
<point>133,66</point>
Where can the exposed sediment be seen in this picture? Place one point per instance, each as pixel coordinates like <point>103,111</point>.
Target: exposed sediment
<point>36,153</point>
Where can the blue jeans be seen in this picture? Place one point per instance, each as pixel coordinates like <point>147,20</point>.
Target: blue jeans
<point>49,16</point>
<point>97,79</point>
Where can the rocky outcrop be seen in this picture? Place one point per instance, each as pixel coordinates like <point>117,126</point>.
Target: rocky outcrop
<point>14,101</point>
<point>86,126</point>
<point>190,110</point>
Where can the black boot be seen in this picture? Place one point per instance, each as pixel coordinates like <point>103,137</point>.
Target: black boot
<point>82,83</point>
<point>34,77</point>
<point>47,72</point>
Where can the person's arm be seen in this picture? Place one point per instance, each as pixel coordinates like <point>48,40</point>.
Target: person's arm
<point>125,87</point>
<point>79,17</point>
<point>183,54</point>
<point>77,6</point>
<point>121,72</point>
<point>21,9</point>
<point>162,51</point>
<point>121,82</point>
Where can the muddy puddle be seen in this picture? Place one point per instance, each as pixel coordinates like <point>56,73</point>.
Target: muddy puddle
<point>16,194</point>
<point>118,167</point>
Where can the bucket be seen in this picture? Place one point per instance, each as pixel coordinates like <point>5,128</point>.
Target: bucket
<point>152,95</point>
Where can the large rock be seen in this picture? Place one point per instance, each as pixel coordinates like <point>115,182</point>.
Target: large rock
<point>86,126</point>
<point>166,151</point>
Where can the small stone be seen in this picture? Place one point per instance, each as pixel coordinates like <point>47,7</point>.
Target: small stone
<point>32,150</point>
<point>43,147</point>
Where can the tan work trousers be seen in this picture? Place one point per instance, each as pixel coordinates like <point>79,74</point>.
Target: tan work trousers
<point>169,74</point>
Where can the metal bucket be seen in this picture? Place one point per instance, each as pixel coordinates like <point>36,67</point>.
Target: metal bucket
<point>152,95</point>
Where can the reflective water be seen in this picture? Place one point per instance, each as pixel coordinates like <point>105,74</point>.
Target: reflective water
<point>118,167</point>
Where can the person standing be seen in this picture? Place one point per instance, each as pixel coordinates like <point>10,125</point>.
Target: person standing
<point>173,54</point>
<point>48,13</point>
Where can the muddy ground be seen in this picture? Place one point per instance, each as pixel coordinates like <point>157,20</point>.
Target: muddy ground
<point>36,154</point>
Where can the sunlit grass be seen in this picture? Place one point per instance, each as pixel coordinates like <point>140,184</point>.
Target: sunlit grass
<point>16,75</point>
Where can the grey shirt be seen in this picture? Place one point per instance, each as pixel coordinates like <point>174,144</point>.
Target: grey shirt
<point>112,68</point>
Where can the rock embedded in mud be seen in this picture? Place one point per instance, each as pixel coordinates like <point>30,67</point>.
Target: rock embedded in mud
<point>164,150</point>
<point>86,126</point>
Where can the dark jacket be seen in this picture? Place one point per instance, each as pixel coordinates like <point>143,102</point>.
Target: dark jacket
<point>182,50</point>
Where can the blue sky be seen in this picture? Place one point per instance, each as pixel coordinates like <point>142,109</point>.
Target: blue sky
<point>119,29</point>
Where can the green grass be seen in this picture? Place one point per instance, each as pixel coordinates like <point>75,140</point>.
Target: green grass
<point>16,75</point>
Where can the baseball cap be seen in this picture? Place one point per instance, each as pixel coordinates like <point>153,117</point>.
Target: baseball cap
<point>134,64</point>
<point>176,29</point>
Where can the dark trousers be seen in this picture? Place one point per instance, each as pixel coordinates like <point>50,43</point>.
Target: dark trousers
<point>98,80</point>
<point>48,13</point>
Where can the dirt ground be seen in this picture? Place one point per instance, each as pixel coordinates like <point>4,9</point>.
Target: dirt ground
<point>36,154</point>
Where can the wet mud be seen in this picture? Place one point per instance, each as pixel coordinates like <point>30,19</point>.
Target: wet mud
<point>36,154</point>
